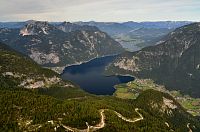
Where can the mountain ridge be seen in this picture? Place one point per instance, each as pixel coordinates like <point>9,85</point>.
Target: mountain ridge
<point>174,62</point>
<point>128,35</point>
<point>52,47</point>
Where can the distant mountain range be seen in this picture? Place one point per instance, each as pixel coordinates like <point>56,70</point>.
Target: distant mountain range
<point>21,24</point>
<point>131,35</point>
<point>60,45</point>
<point>114,28</point>
<point>175,62</point>
<point>137,35</point>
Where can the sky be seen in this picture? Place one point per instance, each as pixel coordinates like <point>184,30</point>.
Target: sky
<point>100,10</point>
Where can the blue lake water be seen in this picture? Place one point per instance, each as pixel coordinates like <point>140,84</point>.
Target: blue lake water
<point>89,76</point>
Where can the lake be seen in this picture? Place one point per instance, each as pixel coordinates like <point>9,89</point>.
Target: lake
<point>89,76</point>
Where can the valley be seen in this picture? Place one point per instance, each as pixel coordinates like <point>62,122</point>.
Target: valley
<point>99,66</point>
<point>34,98</point>
<point>134,36</point>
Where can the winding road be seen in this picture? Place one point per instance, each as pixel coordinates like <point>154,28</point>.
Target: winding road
<point>102,123</point>
<point>188,126</point>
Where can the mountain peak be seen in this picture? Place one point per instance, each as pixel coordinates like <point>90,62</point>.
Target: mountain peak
<point>66,23</point>
<point>70,27</point>
<point>30,21</point>
<point>36,28</point>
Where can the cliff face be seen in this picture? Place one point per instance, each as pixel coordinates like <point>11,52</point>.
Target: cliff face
<point>175,62</point>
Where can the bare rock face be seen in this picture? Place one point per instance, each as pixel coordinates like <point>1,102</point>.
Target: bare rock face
<point>43,82</point>
<point>169,103</point>
<point>175,62</point>
<point>25,32</point>
<point>127,64</point>
<point>42,58</point>
<point>33,82</point>
<point>35,28</point>
<point>166,106</point>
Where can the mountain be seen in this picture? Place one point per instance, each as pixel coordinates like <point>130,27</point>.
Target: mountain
<point>50,46</point>
<point>174,63</point>
<point>162,105</point>
<point>19,72</point>
<point>70,27</point>
<point>20,24</point>
<point>131,35</point>
<point>112,28</point>
<point>136,35</point>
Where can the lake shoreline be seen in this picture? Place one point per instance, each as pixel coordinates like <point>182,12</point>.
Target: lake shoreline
<point>60,69</point>
<point>89,76</point>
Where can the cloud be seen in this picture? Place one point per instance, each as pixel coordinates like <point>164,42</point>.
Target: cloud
<point>104,10</point>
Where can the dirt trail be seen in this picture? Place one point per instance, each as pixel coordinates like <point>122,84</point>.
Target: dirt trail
<point>188,126</point>
<point>102,122</point>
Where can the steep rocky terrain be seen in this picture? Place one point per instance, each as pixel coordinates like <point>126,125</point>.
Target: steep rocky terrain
<point>174,63</point>
<point>50,46</point>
